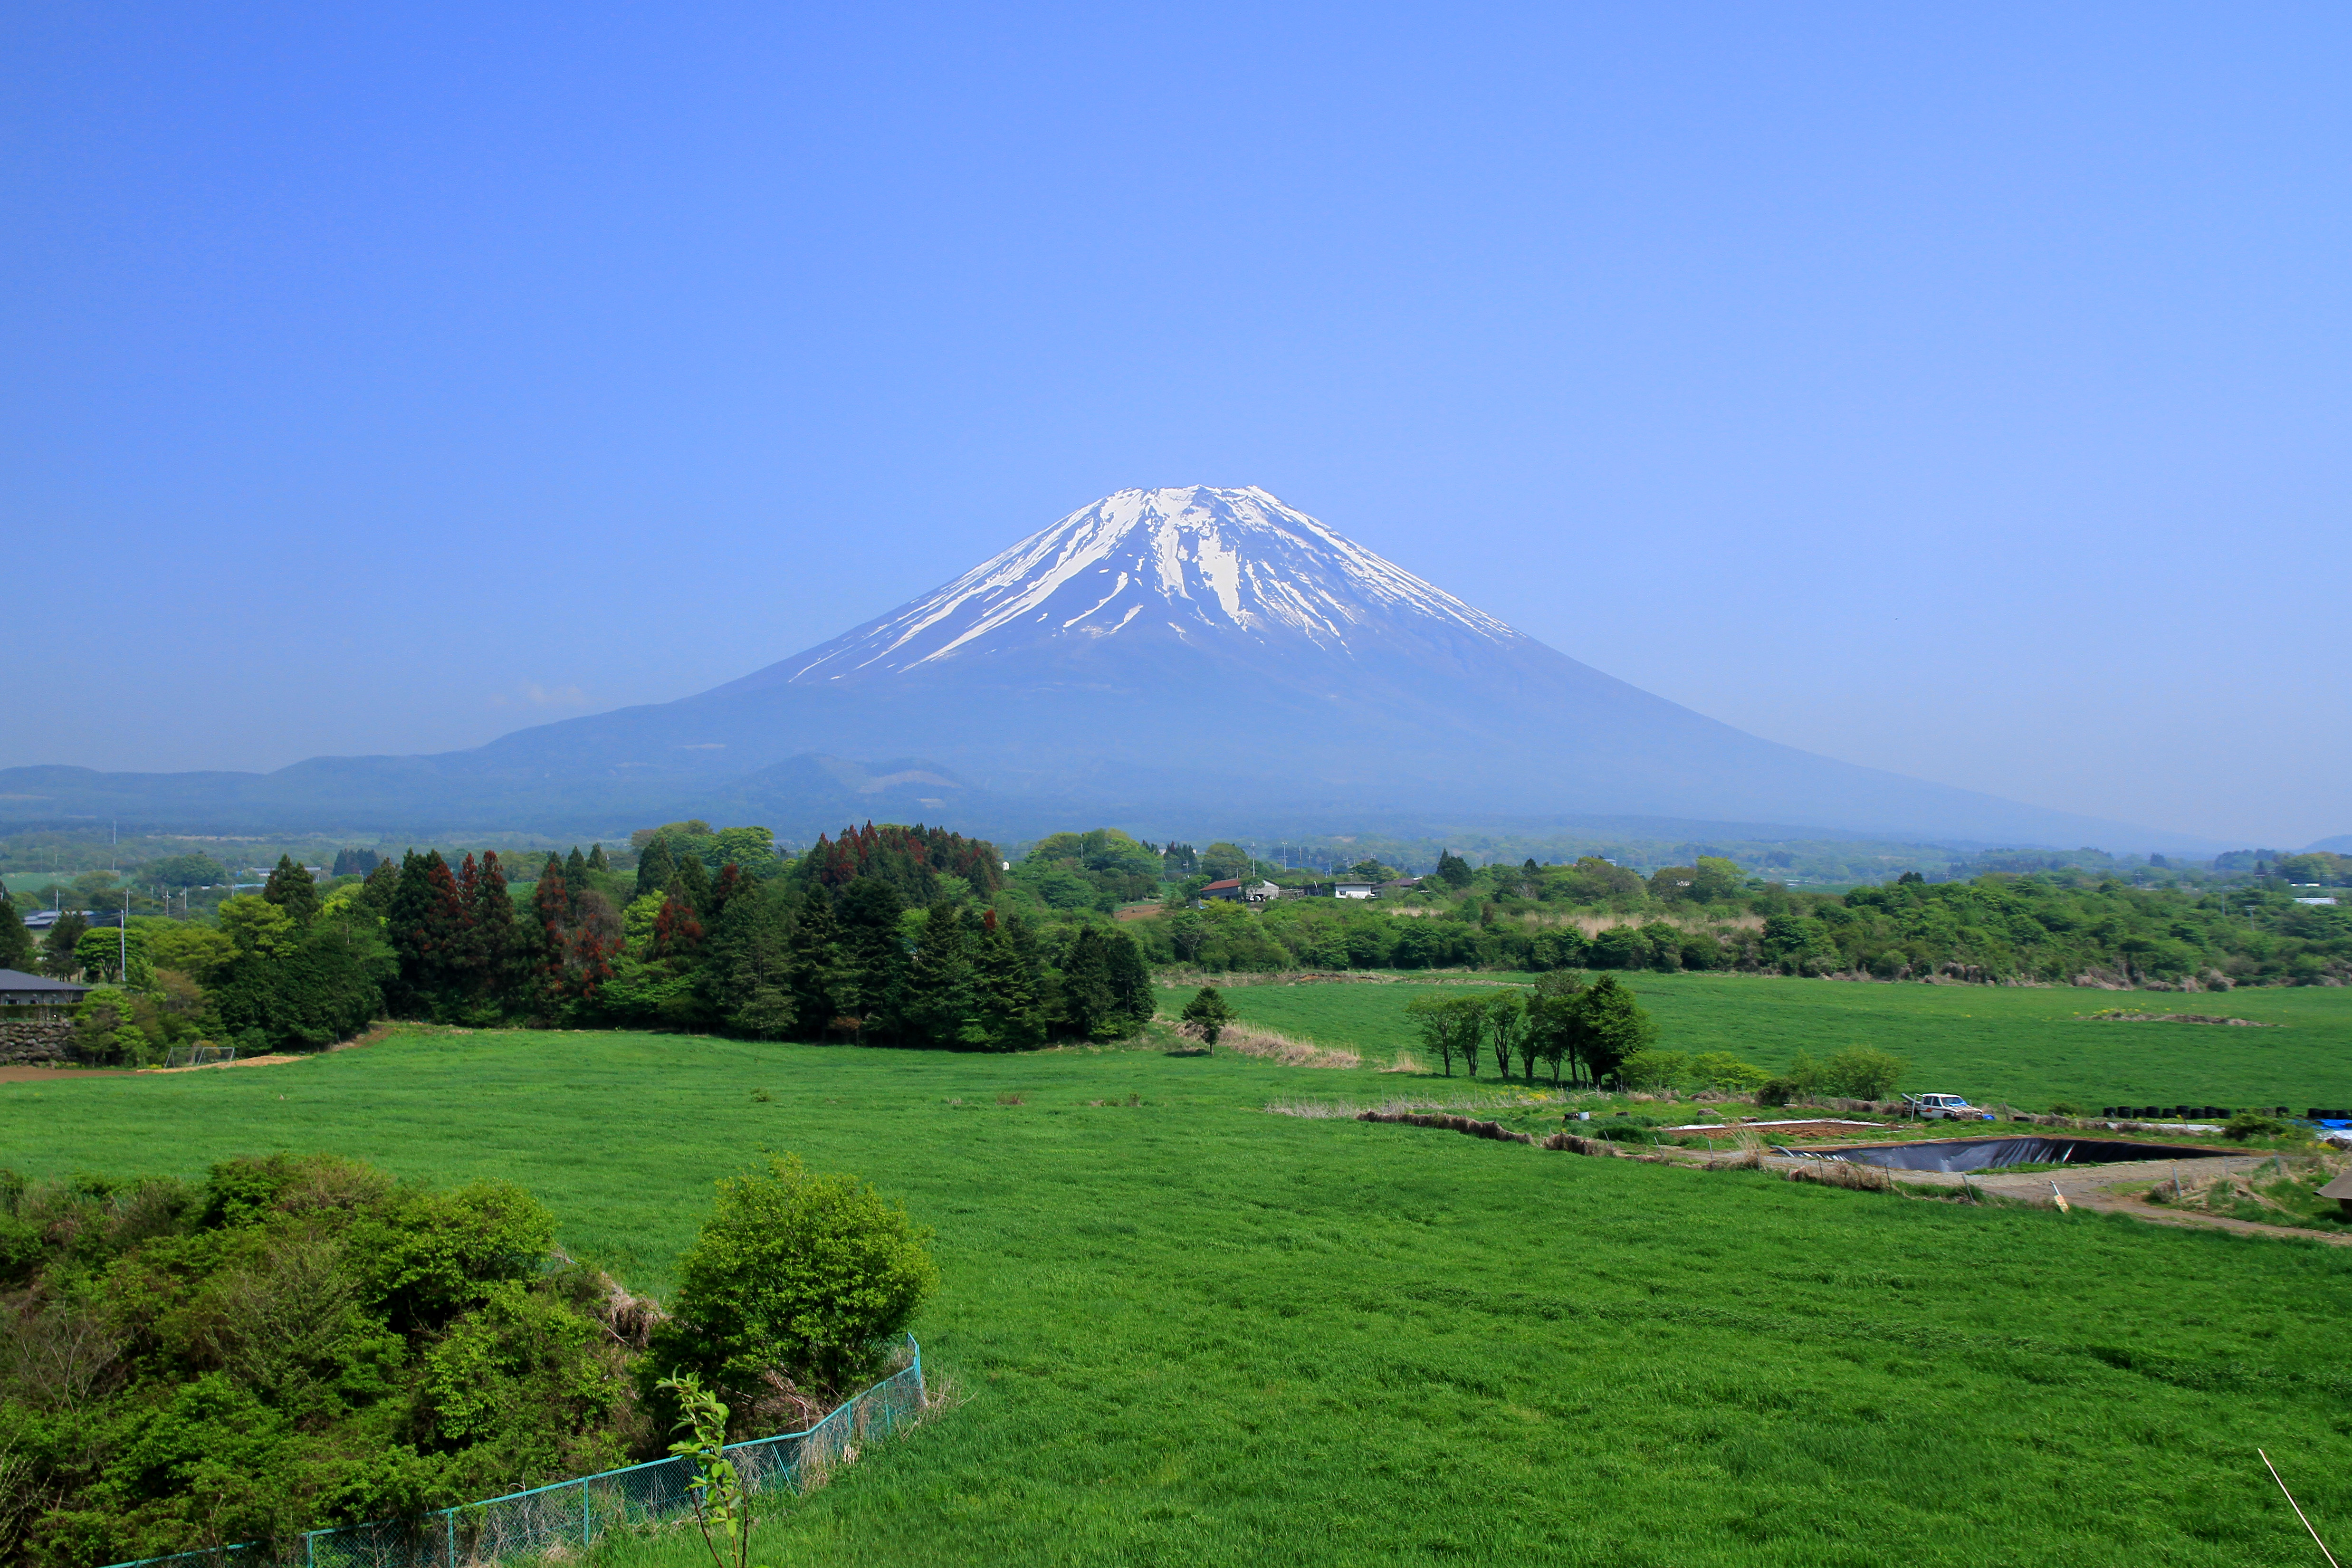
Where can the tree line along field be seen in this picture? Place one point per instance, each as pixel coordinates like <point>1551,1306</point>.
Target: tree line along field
<point>2025,1046</point>
<point>1186,1331</point>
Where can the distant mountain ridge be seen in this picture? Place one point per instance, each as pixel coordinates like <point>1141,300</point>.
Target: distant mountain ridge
<point>1183,659</point>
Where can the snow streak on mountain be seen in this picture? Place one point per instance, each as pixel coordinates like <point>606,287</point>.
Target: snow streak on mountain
<point>1195,564</point>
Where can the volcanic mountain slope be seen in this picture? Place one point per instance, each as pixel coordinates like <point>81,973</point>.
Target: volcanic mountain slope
<point>1188,658</point>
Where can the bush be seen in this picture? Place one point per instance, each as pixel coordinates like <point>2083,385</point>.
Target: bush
<point>2247,1125</point>
<point>298,1341</point>
<point>1866,1073</point>
<point>796,1273</point>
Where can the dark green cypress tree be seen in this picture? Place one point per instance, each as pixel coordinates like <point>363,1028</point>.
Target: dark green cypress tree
<point>576,878</point>
<point>1090,1009</point>
<point>874,955</point>
<point>58,954</point>
<point>16,942</point>
<point>1012,983</point>
<point>747,969</point>
<point>383,879</point>
<point>292,889</point>
<point>1131,981</point>
<point>815,976</point>
<point>427,929</point>
<point>691,884</point>
<point>506,960</point>
<point>939,1001</point>
<point>656,867</point>
<point>596,860</point>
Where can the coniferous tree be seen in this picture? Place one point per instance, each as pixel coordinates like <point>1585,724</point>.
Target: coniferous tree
<point>938,1001</point>
<point>16,942</point>
<point>576,878</point>
<point>550,905</point>
<point>1130,980</point>
<point>292,889</point>
<point>747,973</point>
<point>1012,983</point>
<point>1452,870</point>
<point>507,959</point>
<point>427,929</point>
<point>58,954</point>
<point>469,879</point>
<point>596,859</point>
<point>731,886</point>
<point>382,881</point>
<point>656,867</point>
<point>817,972</point>
<point>690,884</point>
<point>591,966</point>
<point>678,931</point>
<point>1090,1006</point>
<point>873,955</point>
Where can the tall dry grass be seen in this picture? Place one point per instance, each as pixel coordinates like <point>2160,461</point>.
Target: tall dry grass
<point>1267,1046</point>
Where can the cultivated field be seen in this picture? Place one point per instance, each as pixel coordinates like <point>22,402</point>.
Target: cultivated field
<point>1192,1333</point>
<point>2027,1046</point>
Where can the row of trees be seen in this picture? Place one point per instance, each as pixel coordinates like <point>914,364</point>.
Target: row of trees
<point>1996,927</point>
<point>829,946</point>
<point>1583,1033</point>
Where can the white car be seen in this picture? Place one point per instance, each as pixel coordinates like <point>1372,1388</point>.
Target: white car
<point>1945,1107</point>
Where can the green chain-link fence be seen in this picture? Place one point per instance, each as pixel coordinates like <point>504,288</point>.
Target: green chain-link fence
<point>575,1514</point>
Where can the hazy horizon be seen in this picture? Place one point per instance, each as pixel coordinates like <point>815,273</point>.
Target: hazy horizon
<point>1955,395</point>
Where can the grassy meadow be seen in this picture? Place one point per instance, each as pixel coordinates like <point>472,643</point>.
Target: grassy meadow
<point>2027,1046</point>
<point>1188,1332</point>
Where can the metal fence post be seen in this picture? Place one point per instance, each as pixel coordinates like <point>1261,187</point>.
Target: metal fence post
<point>584,1514</point>
<point>450,1516</point>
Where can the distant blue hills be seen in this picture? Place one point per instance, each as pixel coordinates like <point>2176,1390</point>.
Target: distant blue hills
<point>1178,661</point>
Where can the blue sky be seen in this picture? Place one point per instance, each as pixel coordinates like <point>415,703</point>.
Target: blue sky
<point>1956,390</point>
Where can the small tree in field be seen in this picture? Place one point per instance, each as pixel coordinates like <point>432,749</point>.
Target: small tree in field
<point>796,1272</point>
<point>1451,1027</point>
<point>1507,1023</point>
<point>1612,1026</point>
<point>1555,1019</point>
<point>1209,1011</point>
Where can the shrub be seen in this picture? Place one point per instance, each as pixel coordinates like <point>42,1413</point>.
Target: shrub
<point>1209,1011</point>
<point>1866,1073</point>
<point>796,1273</point>
<point>2247,1125</point>
<point>298,1341</point>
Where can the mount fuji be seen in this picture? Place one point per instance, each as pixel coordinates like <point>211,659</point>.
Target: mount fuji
<point>1186,659</point>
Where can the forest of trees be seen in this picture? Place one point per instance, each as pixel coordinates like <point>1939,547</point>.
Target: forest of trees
<point>883,936</point>
<point>2049,927</point>
<point>890,934</point>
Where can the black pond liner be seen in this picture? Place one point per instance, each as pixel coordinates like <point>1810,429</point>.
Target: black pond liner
<point>1990,1153</point>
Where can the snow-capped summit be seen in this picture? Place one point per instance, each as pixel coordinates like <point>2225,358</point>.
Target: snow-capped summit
<point>1197,564</point>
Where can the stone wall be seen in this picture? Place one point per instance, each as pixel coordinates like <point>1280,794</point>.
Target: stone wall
<point>34,1040</point>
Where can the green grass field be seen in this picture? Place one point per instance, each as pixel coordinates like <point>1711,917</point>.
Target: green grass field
<point>1192,1333</point>
<point>2025,1046</point>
